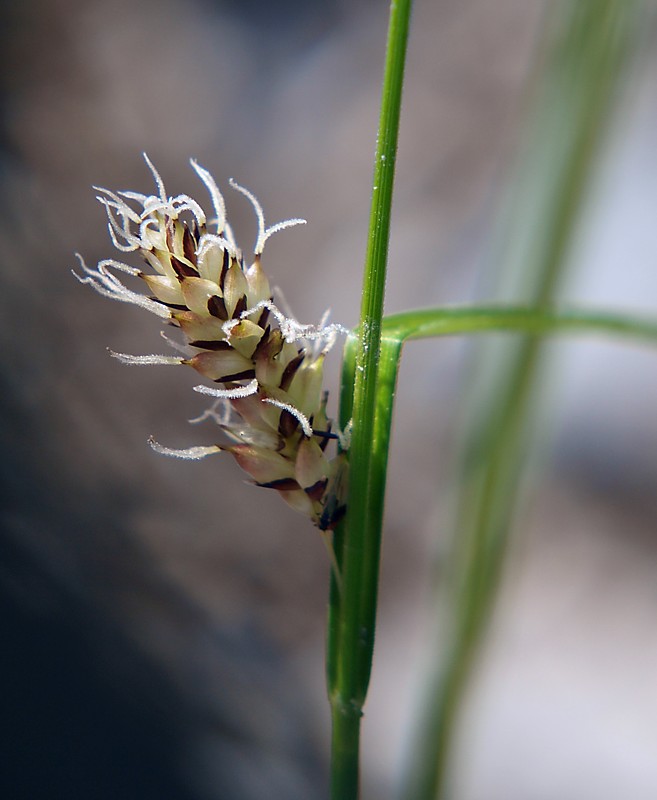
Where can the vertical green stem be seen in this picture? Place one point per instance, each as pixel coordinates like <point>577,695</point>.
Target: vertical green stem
<point>594,37</point>
<point>397,330</point>
<point>345,751</point>
<point>352,610</point>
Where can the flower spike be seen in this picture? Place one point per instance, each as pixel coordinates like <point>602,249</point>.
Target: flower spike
<point>264,365</point>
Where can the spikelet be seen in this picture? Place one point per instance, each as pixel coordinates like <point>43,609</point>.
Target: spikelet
<point>265,367</point>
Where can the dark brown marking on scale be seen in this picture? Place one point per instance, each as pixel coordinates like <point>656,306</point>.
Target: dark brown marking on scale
<point>224,268</point>
<point>217,307</point>
<point>271,345</point>
<point>211,344</point>
<point>262,321</point>
<point>183,270</point>
<point>261,343</point>
<point>173,306</point>
<point>290,371</point>
<point>316,491</point>
<point>287,424</point>
<point>169,234</point>
<point>331,517</point>
<point>248,374</point>
<point>189,246</point>
<point>281,485</point>
<point>240,307</point>
<point>282,444</point>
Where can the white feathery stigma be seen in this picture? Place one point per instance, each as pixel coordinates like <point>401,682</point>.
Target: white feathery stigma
<point>263,232</point>
<point>229,394</point>
<point>188,453</point>
<point>303,420</point>
<point>151,360</point>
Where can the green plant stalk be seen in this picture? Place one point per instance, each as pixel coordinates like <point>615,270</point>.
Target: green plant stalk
<point>400,328</point>
<point>576,99</point>
<point>352,609</point>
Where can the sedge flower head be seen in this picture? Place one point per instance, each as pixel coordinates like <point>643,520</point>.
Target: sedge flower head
<point>265,369</point>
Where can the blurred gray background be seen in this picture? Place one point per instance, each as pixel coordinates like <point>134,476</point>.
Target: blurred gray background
<point>163,622</point>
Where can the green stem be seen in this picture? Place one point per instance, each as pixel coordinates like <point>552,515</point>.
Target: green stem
<point>345,741</point>
<point>397,329</point>
<point>352,610</point>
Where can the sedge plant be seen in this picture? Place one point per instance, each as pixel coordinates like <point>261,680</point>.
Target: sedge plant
<point>263,369</point>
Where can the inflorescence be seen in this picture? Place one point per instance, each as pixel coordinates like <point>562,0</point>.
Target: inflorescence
<point>266,367</point>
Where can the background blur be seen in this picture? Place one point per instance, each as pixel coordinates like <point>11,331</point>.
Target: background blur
<point>163,623</point>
